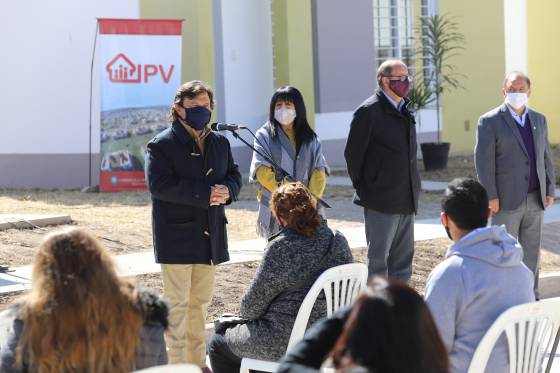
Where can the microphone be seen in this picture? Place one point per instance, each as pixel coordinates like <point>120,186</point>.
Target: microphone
<point>225,127</point>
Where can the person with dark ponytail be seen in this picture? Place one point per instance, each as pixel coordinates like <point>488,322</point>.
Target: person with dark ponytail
<point>289,140</point>
<point>303,249</point>
<point>388,329</point>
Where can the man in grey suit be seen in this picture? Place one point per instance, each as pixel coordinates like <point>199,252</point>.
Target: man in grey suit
<point>513,162</point>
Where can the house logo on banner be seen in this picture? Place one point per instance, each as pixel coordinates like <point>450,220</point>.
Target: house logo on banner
<point>139,70</point>
<point>122,70</point>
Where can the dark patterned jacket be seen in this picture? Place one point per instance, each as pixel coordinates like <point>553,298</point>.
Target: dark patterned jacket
<point>271,303</point>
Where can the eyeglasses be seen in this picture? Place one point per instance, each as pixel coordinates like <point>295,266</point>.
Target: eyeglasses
<point>401,78</point>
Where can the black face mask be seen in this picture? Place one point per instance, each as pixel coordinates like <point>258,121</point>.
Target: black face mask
<point>197,117</point>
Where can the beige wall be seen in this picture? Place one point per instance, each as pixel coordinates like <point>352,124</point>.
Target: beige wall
<point>543,29</point>
<point>198,47</point>
<point>483,64</point>
<point>293,48</point>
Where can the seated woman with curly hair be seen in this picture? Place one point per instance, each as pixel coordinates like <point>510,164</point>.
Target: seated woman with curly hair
<point>79,316</point>
<point>294,258</point>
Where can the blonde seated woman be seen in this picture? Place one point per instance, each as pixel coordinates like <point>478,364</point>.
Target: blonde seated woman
<point>79,316</point>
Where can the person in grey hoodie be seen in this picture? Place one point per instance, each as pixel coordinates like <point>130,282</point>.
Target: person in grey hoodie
<point>482,276</point>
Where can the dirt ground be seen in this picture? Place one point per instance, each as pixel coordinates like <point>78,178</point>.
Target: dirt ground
<point>122,222</point>
<point>233,280</point>
<point>457,166</point>
<point>463,166</point>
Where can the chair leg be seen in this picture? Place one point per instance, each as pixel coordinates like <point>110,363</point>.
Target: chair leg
<point>552,352</point>
<point>243,368</point>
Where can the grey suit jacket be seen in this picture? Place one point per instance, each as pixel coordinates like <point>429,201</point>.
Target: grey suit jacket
<point>502,162</point>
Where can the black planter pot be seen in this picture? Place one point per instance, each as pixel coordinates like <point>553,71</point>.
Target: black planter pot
<point>434,155</point>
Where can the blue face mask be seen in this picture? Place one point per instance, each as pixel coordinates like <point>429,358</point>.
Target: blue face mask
<point>197,117</point>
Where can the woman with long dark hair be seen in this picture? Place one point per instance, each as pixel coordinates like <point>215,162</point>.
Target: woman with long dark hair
<point>293,260</point>
<point>289,140</point>
<point>80,316</point>
<point>389,329</point>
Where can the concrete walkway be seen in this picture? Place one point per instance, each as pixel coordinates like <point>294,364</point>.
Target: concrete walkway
<point>19,278</point>
<point>9,221</point>
<point>240,251</point>
<point>429,186</point>
<point>432,186</point>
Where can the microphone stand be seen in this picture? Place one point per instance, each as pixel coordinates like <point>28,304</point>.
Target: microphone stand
<point>275,167</point>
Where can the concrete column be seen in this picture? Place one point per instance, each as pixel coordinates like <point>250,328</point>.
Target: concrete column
<point>243,65</point>
<point>197,48</point>
<point>293,49</point>
<point>515,34</point>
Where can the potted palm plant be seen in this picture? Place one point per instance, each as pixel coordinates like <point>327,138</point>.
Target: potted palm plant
<point>419,94</point>
<point>440,41</point>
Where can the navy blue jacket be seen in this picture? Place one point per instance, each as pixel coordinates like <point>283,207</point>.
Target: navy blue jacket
<point>179,179</point>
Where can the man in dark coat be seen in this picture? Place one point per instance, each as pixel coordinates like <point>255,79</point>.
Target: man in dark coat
<point>381,158</point>
<point>191,175</point>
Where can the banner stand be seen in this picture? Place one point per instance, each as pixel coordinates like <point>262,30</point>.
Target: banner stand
<point>140,70</point>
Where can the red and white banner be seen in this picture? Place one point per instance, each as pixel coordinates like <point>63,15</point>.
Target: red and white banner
<point>140,63</point>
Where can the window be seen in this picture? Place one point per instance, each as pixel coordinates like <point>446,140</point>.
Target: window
<point>427,9</point>
<point>393,30</point>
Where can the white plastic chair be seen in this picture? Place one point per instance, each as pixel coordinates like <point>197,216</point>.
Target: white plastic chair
<point>341,285</point>
<point>530,330</point>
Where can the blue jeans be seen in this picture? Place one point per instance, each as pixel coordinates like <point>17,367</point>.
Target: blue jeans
<point>222,359</point>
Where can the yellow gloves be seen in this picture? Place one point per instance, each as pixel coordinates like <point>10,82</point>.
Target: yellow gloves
<point>317,182</point>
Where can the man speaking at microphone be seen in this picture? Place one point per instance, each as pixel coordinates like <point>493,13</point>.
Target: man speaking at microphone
<point>191,175</point>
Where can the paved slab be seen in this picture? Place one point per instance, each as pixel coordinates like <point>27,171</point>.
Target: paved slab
<point>551,237</point>
<point>339,180</point>
<point>17,279</point>
<point>8,221</point>
<point>250,250</point>
<point>427,185</point>
<point>240,251</point>
<point>549,284</point>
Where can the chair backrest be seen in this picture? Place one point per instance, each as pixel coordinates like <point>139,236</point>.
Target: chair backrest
<point>529,329</point>
<point>341,285</point>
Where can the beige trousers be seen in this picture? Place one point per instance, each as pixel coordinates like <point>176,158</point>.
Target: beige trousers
<point>189,288</point>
